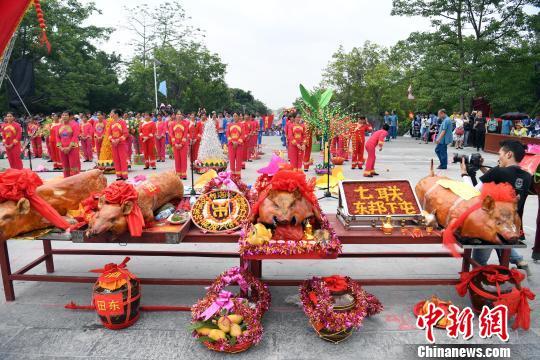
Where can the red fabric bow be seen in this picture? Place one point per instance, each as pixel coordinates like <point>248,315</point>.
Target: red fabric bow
<point>516,301</point>
<point>492,275</point>
<point>111,269</point>
<point>17,184</point>
<point>335,283</point>
<point>119,192</point>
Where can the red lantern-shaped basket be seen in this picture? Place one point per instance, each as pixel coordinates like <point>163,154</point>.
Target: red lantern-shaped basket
<point>116,296</point>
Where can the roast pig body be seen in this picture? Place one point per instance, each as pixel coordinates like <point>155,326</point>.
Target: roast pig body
<point>62,194</point>
<point>156,191</point>
<point>493,221</point>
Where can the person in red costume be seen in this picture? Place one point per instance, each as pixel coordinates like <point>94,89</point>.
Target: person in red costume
<point>147,135</point>
<point>247,134</point>
<point>55,152</point>
<point>254,135</point>
<point>118,137</point>
<point>33,130</point>
<point>178,130</point>
<point>195,134</point>
<point>87,133</point>
<point>297,143</point>
<point>307,151</point>
<point>358,137</point>
<point>67,141</point>
<point>161,127</point>
<point>99,132</point>
<point>12,135</point>
<point>377,138</point>
<point>235,142</point>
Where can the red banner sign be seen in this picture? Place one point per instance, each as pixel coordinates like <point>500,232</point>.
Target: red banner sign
<point>395,197</point>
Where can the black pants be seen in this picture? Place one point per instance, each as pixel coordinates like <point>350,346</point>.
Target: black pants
<point>479,140</point>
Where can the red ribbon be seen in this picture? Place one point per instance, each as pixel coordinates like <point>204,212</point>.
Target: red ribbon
<point>335,283</point>
<point>17,184</point>
<point>112,268</point>
<point>119,192</point>
<point>516,301</point>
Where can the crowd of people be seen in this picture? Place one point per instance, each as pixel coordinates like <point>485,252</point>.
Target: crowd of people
<point>67,137</point>
<point>470,129</point>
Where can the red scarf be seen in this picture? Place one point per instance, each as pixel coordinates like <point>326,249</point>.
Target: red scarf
<point>17,184</point>
<point>119,192</point>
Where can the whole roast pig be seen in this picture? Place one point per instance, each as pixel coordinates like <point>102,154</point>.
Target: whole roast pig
<point>496,222</point>
<point>63,195</point>
<point>153,193</point>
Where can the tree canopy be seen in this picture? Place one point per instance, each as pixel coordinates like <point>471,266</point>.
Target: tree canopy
<point>76,75</point>
<point>476,48</point>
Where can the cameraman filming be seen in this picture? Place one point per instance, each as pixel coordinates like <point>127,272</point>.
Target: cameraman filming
<point>509,171</point>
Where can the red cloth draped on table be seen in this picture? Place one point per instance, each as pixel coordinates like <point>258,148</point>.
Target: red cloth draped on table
<point>499,192</point>
<point>17,184</point>
<point>516,300</point>
<point>119,192</point>
<point>13,12</point>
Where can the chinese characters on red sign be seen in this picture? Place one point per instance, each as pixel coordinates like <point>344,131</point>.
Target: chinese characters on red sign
<point>491,322</point>
<point>109,304</point>
<point>380,198</point>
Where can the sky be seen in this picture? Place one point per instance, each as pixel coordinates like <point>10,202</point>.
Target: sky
<point>272,46</point>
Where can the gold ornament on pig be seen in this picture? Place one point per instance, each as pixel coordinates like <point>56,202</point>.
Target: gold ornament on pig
<point>308,231</point>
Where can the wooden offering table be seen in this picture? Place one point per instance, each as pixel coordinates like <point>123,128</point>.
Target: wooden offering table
<point>492,143</point>
<point>188,233</point>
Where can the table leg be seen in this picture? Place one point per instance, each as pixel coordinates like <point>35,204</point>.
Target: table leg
<point>466,263</point>
<point>47,250</point>
<point>504,259</point>
<point>255,266</point>
<point>6,272</point>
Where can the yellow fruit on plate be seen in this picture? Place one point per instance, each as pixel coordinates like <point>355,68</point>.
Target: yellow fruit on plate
<point>236,319</point>
<point>203,331</point>
<point>216,334</point>
<point>224,324</point>
<point>235,330</point>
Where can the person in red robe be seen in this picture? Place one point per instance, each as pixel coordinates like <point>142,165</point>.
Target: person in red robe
<point>147,138</point>
<point>235,143</point>
<point>55,152</point>
<point>12,135</point>
<point>99,132</point>
<point>34,133</point>
<point>118,137</point>
<point>87,134</point>
<point>161,135</point>
<point>358,139</point>
<point>195,135</point>
<point>67,142</point>
<point>179,133</point>
<point>377,138</point>
<point>307,151</point>
<point>297,143</point>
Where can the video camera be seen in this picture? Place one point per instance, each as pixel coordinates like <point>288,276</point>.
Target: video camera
<point>473,163</point>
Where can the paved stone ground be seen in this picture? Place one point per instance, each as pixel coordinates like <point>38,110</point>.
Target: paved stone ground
<point>37,326</point>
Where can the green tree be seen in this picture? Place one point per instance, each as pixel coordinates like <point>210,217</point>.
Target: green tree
<point>75,75</point>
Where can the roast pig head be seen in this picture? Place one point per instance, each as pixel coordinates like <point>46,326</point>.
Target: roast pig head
<point>110,218</point>
<point>497,222</point>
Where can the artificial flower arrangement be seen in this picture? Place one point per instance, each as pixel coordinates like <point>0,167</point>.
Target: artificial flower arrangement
<point>287,222</point>
<point>336,305</point>
<point>322,169</point>
<point>225,180</point>
<point>226,322</point>
<point>216,164</point>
